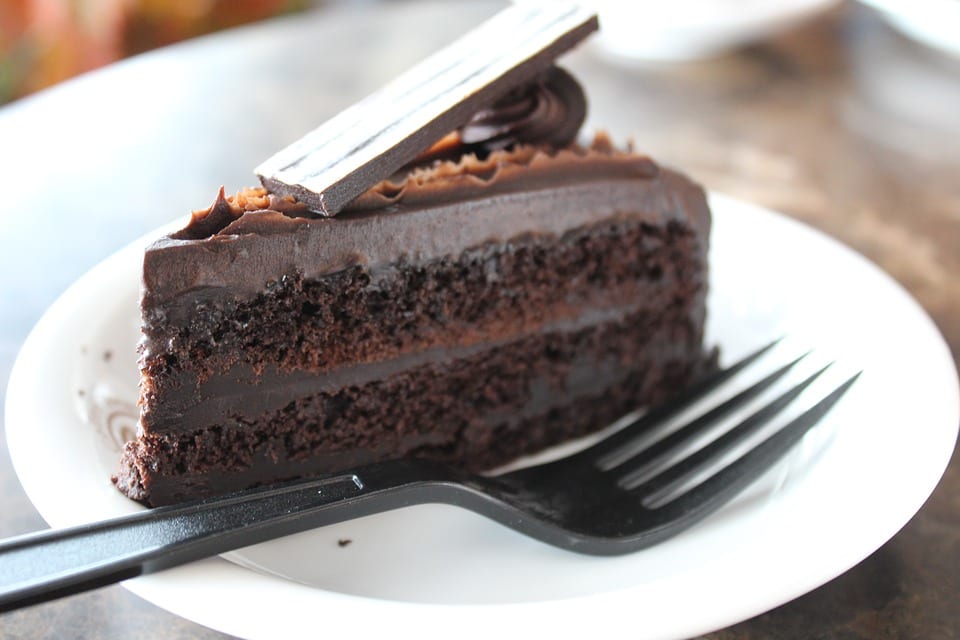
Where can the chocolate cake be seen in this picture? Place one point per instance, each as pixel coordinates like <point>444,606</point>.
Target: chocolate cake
<point>493,308</point>
<point>506,291</point>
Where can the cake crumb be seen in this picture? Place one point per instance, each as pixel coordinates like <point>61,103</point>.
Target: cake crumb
<point>343,542</point>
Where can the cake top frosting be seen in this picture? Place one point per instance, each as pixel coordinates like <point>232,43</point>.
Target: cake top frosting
<point>439,181</point>
<point>532,127</point>
<point>522,166</point>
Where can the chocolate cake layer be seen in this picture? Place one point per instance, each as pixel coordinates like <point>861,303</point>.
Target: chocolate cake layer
<point>469,312</point>
<point>245,389</point>
<point>477,411</point>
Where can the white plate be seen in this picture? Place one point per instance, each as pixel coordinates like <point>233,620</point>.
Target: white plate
<point>680,30</point>
<point>850,485</point>
<point>934,23</point>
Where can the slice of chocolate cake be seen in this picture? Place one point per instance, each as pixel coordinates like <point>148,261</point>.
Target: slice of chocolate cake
<point>505,291</point>
<point>477,311</point>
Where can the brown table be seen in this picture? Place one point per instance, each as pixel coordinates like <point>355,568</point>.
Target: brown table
<point>841,123</point>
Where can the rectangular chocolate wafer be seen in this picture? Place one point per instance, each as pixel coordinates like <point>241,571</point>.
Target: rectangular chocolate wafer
<point>367,142</point>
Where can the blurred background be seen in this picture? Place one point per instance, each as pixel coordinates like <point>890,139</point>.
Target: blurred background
<point>43,42</point>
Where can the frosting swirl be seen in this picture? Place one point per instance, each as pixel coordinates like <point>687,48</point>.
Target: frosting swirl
<point>547,111</point>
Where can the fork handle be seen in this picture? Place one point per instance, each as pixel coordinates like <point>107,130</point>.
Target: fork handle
<point>50,564</point>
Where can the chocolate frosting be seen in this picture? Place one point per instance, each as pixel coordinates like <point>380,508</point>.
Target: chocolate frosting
<point>467,176</point>
<point>224,210</point>
<point>522,167</point>
<point>547,112</point>
<point>538,118</point>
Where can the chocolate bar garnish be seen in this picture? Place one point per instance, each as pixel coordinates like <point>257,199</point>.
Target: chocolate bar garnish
<point>367,142</point>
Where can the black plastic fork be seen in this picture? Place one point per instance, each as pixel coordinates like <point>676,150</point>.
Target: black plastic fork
<point>598,501</point>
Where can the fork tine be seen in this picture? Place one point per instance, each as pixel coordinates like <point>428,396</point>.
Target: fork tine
<point>669,409</point>
<point>674,475</point>
<point>624,450</point>
<point>729,481</point>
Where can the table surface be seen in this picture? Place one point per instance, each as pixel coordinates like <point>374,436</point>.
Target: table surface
<point>840,123</point>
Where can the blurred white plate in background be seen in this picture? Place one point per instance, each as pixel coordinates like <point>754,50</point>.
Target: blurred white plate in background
<point>690,29</point>
<point>935,23</point>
